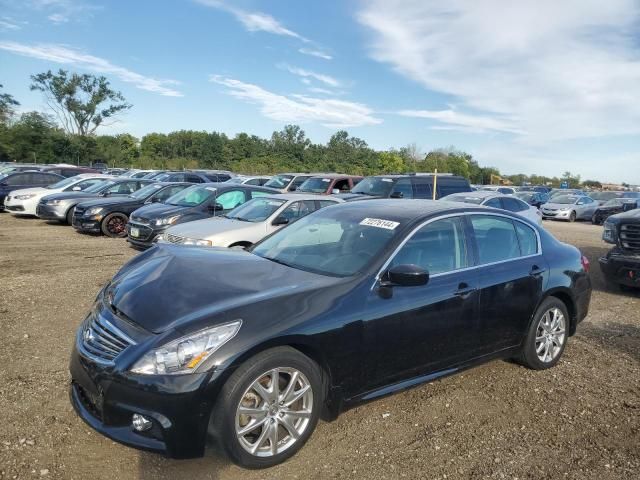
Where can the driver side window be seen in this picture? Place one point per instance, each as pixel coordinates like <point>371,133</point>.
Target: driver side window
<point>403,186</point>
<point>438,247</point>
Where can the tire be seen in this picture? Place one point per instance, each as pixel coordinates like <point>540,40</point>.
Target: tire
<point>572,216</point>
<point>539,336</point>
<point>114,225</point>
<point>69,216</point>
<point>595,220</point>
<point>238,392</point>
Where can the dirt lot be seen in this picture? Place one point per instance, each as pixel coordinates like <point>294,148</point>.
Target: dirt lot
<point>580,420</point>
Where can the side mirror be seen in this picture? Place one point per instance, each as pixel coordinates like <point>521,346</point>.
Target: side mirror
<point>335,191</point>
<point>293,188</point>
<point>216,207</point>
<point>407,275</point>
<point>280,221</point>
<point>396,195</point>
<point>76,189</point>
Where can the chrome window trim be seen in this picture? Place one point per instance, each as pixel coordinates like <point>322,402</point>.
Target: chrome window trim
<point>460,214</point>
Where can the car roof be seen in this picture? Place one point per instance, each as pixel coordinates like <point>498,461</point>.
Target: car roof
<point>480,194</point>
<point>304,196</point>
<point>335,175</point>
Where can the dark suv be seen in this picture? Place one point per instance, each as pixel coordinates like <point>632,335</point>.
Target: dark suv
<point>621,264</point>
<point>407,186</point>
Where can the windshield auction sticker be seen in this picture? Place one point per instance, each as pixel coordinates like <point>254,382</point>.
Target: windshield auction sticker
<point>379,223</point>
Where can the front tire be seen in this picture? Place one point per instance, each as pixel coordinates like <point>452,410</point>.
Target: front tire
<point>114,225</point>
<point>547,336</point>
<point>69,216</point>
<point>268,408</point>
<point>572,216</point>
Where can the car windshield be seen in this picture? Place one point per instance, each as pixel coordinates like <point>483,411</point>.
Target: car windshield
<point>603,196</point>
<point>100,186</point>
<point>525,196</point>
<point>192,196</point>
<point>315,185</point>
<point>256,210</point>
<point>62,183</point>
<point>279,181</point>
<point>146,191</point>
<point>631,195</point>
<point>464,199</point>
<point>615,202</point>
<point>376,186</point>
<point>335,242</point>
<point>565,199</point>
<point>237,180</point>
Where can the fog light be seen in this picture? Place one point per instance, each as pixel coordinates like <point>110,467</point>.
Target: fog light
<point>140,423</point>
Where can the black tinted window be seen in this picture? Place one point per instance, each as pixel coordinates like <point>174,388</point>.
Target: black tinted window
<point>423,188</point>
<point>493,202</point>
<point>403,186</point>
<point>447,186</point>
<point>514,205</point>
<point>19,179</point>
<point>496,238</point>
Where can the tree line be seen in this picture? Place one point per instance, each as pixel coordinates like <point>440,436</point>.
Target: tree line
<point>80,104</point>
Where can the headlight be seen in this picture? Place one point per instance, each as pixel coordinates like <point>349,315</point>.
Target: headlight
<point>609,232</point>
<point>166,221</point>
<point>54,202</point>
<point>25,196</point>
<point>195,241</point>
<point>93,210</point>
<point>185,354</point>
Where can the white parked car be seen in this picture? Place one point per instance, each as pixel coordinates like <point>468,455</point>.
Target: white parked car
<point>498,200</point>
<point>259,180</point>
<point>497,188</point>
<point>248,223</point>
<point>25,201</point>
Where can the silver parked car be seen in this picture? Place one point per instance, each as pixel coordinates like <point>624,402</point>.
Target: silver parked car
<point>569,207</point>
<point>495,199</point>
<point>248,223</point>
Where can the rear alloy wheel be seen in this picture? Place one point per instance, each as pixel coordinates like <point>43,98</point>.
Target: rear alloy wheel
<point>268,408</point>
<point>547,336</point>
<point>114,225</point>
<point>572,216</point>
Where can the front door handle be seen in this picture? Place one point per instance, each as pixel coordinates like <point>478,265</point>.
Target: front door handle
<point>464,290</point>
<point>536,270</point>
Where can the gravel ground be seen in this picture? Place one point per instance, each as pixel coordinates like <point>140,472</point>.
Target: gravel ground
<point>580,420</point>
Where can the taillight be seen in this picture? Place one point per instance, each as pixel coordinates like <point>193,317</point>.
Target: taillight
<point>585,263</point>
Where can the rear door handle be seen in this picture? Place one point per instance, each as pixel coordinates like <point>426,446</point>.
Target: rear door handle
<point>536,270</point>
<point>464,290</point>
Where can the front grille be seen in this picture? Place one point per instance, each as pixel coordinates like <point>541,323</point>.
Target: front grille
<point>630,236</point>
<point>15,208</point>
<point>101,340</point>
<point>174,238</point>
<point>144,232</point>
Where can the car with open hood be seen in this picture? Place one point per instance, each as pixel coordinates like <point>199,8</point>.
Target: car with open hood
<point>59,206</point>
<point>348,304</point>
<point>109,215</point>
<point>248,223</point>
<point>197,202</point>
<point>25,201</point>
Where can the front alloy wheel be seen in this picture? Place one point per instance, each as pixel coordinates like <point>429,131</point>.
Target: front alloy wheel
<point>274,412</point>
<point>268,408</point>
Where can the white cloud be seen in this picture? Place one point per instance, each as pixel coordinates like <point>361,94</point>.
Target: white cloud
<point>64,55</point>
<point>58,18</point>
<point>315,53</point>
<point>556,70</point>
<point>6,23</point>
<point>254,21</point>
<point>471,123</point>
<point>300,108</point>
<point>322,91</point>
<point>63,11</point>
<point>301,72</point>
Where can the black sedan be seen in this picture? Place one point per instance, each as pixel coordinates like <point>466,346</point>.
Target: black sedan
<point>109,215</point>
<point>201,201</point>
<point>612,207</point>
<point>348,304</point>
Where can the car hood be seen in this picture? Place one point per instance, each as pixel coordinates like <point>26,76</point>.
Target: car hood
<point>172,286</point>
<point>70,195</point>
<point>632,216</point>
<point>209,227</point>
<point>558,206</point>
<point>108,201</point>
<point>25,191</point>
<point>159,210</point>
<point>351,197</point>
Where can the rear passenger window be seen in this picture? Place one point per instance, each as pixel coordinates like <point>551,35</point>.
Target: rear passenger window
<point>493,202</point>
<point>402,189</point>
<point>514,205</point>
<point>438,247</point>
<point>448,186</point>
<point>423,188</point>
<point>20,179</point>
<point>527,238</point>
<point>496,238</point>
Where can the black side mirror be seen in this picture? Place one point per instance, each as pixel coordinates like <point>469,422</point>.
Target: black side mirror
<point>216,207</point>
<point>280,221</point>
<point>293,188</point>
<point>407,275</point>
<point>396,195</point>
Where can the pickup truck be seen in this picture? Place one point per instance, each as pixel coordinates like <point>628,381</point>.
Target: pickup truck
<point>621,264</point>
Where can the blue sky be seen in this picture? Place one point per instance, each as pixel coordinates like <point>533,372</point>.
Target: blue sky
<point>533,86</point>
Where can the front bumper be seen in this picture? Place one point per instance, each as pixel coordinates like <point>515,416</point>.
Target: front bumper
<point>143,236</point>
<point>179,406</point>
<point>556,214</point>
<point>87,224</point>
<point>51,212</point>
<point>621,267</point>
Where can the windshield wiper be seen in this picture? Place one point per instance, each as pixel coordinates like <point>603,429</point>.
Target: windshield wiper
<point>275,260</point>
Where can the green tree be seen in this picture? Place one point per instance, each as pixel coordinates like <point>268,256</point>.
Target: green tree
<point>391,162</point>
<point>82,103</point>
<point>7,102</point>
